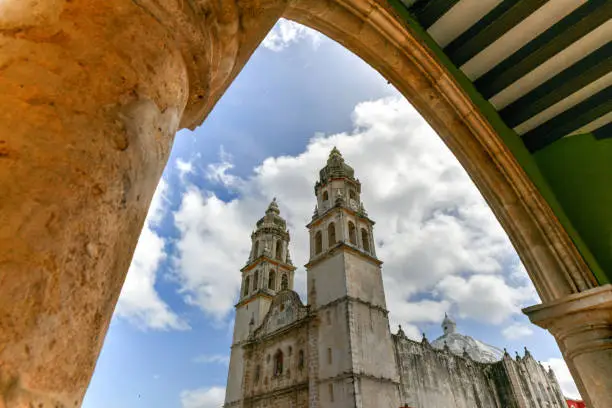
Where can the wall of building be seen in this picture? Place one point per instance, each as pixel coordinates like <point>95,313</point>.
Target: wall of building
<point>270,389</point>
<point>432,378</point>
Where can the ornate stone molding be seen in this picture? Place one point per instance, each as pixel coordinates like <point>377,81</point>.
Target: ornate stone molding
<point>581,323</point>
<point>370,29</point>
<point>582,326</point>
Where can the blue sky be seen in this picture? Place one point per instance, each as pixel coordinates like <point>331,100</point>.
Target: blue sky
<point>301,94</point>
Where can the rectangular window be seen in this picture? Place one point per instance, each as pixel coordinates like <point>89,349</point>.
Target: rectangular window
<point>331,391</point>
<point>329,356</point>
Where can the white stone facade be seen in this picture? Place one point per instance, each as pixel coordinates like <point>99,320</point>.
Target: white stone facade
<point>337,351</point>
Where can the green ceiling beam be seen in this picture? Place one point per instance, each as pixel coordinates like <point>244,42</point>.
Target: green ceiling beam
<point>570,120</point>
<point>490,28</point>
<point>577,24</point>
<point>562,85</point>
<point>510,138</point>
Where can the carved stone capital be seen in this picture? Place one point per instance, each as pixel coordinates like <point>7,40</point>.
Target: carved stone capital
<point>582,325</point>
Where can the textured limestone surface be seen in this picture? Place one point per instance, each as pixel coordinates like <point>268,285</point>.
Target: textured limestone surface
<point>91,95</point>
<point>433,378</point>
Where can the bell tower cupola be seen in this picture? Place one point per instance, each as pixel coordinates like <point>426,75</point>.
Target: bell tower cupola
<point>340,216</point>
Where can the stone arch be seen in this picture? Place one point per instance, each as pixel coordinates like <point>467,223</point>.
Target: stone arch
<point>272,280</point>
<point>365,240</point>
<point>318,242</point>
<point>247,282</point>
<point>256,249</point>
<point>279,250</point>
<point>331,234</point>
<point>278,363</point>
<point>352,232</point>
<point>300,359</point>
<point>284,282</point>
<point>370,30</point>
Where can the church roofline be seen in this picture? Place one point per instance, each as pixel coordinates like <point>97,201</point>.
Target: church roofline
<point>342,246</point>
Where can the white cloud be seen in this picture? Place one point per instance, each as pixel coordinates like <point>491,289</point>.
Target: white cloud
<point>286,32</point>
<point>434,231</point>
<point>562,372</point>
<point>212,248</point>
<point>184,167</point>
<point>208,397</point>
<point>212,359</point>
<point>487,298</point>
<point>517,331</point>
<point>139,302</point>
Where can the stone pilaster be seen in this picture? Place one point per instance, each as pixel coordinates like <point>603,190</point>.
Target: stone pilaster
<point>582,325</point>
<point>91,95</point>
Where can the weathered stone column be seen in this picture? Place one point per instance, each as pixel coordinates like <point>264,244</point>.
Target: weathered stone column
<point>582,326</point>
<point>91,95</point>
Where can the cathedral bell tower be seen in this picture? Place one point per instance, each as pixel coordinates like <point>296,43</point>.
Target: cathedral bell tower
<point>268,270</point>
<point>356,365</point>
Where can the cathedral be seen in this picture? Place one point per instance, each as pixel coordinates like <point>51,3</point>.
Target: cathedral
<point>337,351</point>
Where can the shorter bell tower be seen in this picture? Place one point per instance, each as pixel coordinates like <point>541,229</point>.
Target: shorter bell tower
<point>268,271</point>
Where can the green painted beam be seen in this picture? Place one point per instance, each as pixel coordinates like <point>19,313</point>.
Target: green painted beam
<point>429,11</point>
<point>490,28</point>
<point>578,169</point>
<point>510,138</point>
<point>558,37</point>
<point>565,83</point>
<point>570,120</point>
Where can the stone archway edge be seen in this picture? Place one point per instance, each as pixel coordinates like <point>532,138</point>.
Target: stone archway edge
<point>374,33</point>
<point>91,95</point>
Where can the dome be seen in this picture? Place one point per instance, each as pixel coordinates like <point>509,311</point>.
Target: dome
<point>477,350</point>
<point>336,168</point>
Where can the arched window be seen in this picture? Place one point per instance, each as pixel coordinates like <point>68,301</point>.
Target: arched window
<point>365,240</point>
<point>257,373</point>
<point>256,250</point>
<point>325,196</point>
<point>247,282</point>
<point>352,194</point>
<point>318,242</point>
<point>255,280</point>
<point>272,280</point>
<point>279,249</point>
<point>278,363</point>
<point>331,234</point>
<point>301,360</point>
<point>352,233</point>
<point>284,282</point>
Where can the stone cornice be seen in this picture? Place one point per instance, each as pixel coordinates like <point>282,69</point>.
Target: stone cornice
<point>348,375</point>
<point>337,208</point>
<point>355,300</point>
<point>277,392</point>
<point>263,258</point>
<point>342,246</point>
<point>263,293</point>
<point>581,322</point>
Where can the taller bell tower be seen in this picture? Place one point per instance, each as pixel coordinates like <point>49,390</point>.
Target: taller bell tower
<point>355,363</point>
<point>268,270</point>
